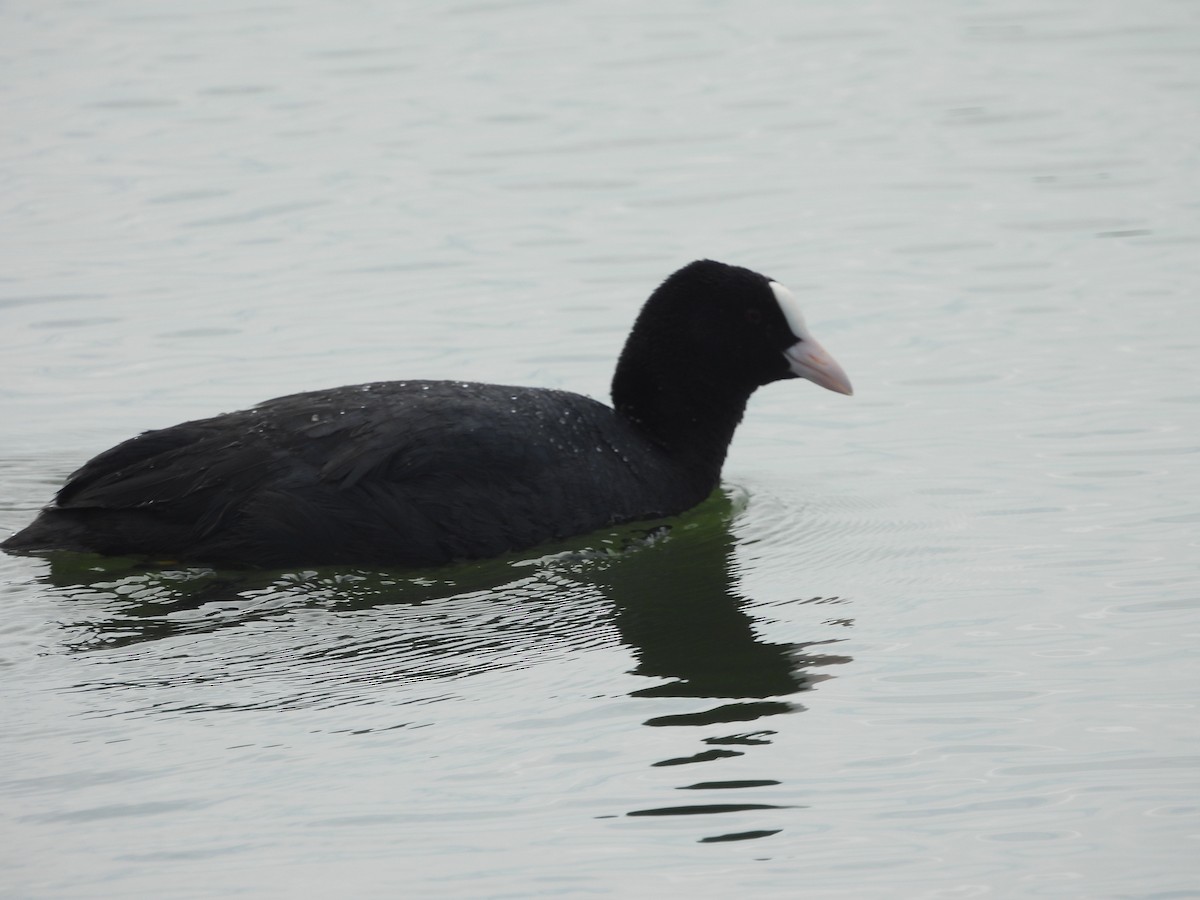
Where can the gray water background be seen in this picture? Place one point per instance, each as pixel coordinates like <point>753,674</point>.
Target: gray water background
<point>936,640</point>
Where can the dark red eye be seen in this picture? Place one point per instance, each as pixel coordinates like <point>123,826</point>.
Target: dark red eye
<point>754,315</point>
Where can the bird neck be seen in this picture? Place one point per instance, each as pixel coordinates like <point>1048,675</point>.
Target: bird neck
<point>692,418</point>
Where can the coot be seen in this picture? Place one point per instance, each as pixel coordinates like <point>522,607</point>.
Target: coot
<point>416,473</point>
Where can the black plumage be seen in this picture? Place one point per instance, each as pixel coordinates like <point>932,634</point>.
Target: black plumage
<point>427,472</point>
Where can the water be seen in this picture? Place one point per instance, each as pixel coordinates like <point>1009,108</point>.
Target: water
<point>934,640</point>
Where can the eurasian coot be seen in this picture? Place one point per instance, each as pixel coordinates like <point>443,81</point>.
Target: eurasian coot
<point>417,473</point>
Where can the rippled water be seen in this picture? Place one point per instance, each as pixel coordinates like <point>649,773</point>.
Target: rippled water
<point>934,640</point>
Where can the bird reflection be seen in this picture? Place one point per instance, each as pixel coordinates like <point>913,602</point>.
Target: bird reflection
<point>679,610</point>
<point>671,592</point>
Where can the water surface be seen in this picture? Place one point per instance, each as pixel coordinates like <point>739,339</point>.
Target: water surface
<point>934,640</point>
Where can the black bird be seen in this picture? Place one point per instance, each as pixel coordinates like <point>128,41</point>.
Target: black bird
<point>418,473</point>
